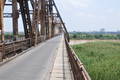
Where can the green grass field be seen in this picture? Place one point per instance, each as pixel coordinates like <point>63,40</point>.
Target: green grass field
<point>101,59</point>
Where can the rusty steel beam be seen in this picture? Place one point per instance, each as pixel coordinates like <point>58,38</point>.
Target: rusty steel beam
<point>52,18</point>
<point>9,15</point>
<point>32,3</point>
<point>77,67</point>
<point>35,21</point>
<point>24,8</point>
<point>1,27</point>
<point>15,16</point>
<point>47,20</point>
<point>42,17</point>
<point>1,20</point>
<point>42,14</point>
<point>41,26</point>
<point>1,14</point>
<point>64,27</point>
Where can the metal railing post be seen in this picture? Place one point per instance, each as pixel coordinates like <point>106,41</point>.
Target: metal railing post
<point>79,72</point>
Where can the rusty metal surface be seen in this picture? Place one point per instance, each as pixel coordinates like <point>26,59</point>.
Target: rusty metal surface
<point>44,19</point>
<point>1,14</point>
<point>79,72</point>
<point>40,27</point>
<point>15,19</point>
<point>15,47</point>
<point>39,22</point>
<point>12,48</point>
<point>1,20</point>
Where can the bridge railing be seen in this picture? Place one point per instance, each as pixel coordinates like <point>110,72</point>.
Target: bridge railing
<point>8,49</point>
<point>11,48</point>
<point>79,72</point>
<point>40,39</point>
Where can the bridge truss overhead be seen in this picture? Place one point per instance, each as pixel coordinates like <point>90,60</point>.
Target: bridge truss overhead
<point>40,20</point>
<point>39,17</point>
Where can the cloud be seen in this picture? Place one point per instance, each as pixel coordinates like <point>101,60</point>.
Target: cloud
<point>83,14</point>
<point>79,3</point>
<point>90,13</point>
<point>75,3</point>
<point>110,10</point>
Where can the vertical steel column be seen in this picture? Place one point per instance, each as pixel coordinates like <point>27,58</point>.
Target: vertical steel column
<point>1,20</point>
<point>52,17</point>
<point>47,18</point>
<point>35,22</point>
<point>15,15</point>
<point>32,3</point>
<point>24,8</point>
<point>42,17</point>
<point>50,26</point>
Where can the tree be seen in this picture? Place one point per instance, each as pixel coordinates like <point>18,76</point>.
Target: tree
<point>74,36</point>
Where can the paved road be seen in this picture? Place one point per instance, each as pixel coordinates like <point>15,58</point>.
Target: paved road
<point>33,65</point>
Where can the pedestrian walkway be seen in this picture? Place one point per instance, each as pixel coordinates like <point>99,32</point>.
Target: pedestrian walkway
<point>61,69</point>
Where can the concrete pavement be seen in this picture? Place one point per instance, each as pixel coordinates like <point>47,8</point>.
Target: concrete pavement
<point>35,64</point>
<point>61,69</point>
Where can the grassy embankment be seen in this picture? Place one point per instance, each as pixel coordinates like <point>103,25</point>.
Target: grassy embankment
<point>101,59</point>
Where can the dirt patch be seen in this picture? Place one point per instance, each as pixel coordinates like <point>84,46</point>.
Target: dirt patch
<point>74,42</point>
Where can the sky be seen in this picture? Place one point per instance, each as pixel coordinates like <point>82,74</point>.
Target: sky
<point>90,15</point>
<point>86,15</point>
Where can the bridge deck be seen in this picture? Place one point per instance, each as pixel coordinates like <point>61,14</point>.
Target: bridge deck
<point>61,69</point>
<point>35,64</point>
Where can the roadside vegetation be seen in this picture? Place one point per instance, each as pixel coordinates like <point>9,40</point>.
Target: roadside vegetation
<point>9,35</point>
<point>94,36</point>
<point>101,59</point>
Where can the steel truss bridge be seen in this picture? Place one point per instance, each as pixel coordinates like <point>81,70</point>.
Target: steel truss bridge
<point>43,52</point>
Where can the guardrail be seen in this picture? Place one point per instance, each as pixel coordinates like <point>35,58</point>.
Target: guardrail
<point>79,72</point>
<point>8,49</point>
<point>11,48</point>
